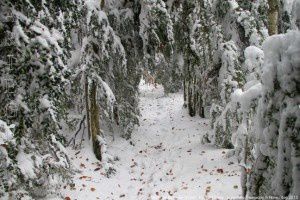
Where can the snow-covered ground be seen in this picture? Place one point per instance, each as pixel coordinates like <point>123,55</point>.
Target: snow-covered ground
<point>167,160</point>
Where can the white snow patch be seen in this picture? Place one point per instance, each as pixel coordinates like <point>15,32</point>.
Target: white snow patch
<point>167,159</point>
<point>5,132</point>
<point>26,165</point>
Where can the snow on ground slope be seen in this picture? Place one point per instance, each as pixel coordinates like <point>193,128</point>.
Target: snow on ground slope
<point>167,161</point>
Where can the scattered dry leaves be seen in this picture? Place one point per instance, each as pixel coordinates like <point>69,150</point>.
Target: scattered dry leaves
<point>82,165</point>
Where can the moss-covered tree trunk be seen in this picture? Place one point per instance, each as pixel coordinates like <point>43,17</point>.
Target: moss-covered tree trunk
<point>273,16</point>
<point>95,125</point>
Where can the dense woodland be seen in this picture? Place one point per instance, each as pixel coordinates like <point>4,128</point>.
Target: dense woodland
<point>71,68</point>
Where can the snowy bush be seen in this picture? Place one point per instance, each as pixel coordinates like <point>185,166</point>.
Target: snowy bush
<point>240,28</point>
<point>230,79</point>
<point>51,49</point>
<point>157,33</point>
<point>246,98</point>
<point>34,102</point>
<point>276,167</point>
<point>72,66</point>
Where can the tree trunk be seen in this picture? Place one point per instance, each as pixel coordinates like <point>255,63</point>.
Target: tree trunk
<point>102,3</point>
<point>191,98</point>
<point>195,96</point>
<point>95,126</point>
<point>87,107</point>
<point>184,93</point>
<point>244,169</point>
<point>201,108</point>
<point>273,16</point>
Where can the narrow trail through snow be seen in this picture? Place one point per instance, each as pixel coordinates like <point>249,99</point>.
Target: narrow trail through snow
<point>167,160</point>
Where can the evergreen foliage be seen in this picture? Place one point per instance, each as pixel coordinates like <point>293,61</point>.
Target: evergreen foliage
<point>51,51</point>
<point>75,67</point>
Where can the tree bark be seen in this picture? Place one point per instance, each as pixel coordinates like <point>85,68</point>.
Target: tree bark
<point>244,170</point>
<point>195,96</point>
<point>191,98</point>
<point>87,107</point>
<point>95,125</point>
<point>273,16</point>
<point>102,3</point>
<point>201,107</point>
<point>184,93</point>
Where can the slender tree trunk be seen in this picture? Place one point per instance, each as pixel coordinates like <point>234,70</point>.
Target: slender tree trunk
<point>102,3</point>
<point>273,16</point>
<point>199,104</point>
<point>201,108</point>
<point>87,106</point>
<point>280,17</point>
<point>244,169</point>
<point>95,126</point>
<point>195,96</point>
<point>184,93</point>
<point>190,99</point>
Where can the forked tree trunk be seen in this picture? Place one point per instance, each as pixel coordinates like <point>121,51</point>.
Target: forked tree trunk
<point>273,16</point>
<point>95,125</point>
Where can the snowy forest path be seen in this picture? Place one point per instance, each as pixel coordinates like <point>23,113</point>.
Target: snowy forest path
<point>167,160</point>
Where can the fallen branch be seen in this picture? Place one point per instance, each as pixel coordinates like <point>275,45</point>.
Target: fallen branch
<point>80,125</point>
<point>82,135</point>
